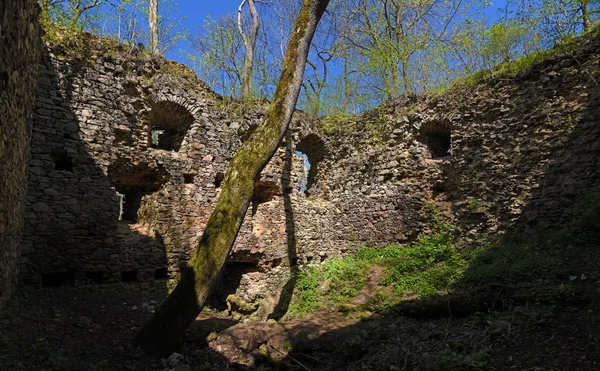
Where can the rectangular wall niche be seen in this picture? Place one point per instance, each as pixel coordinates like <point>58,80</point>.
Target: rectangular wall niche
<point>95,277</point>
<point>62,162</point>
<point>56,279</point>
<point>437,138</point>
<point>129,276</point>
<point>161,273</point>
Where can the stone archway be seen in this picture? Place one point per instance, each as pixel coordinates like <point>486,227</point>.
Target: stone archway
<point>168,124</point>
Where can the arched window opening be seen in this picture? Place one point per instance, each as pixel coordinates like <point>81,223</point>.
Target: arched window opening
<point>133,182</point>
<point>168,124</point>
<point>305,170</point>
<point>311,150</point>
<point>437,138</point>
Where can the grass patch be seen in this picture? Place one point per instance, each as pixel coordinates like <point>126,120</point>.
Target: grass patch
<point>428,266</point>
<point>513,264</point>
<point>335,281</point>
<point>436,266</point>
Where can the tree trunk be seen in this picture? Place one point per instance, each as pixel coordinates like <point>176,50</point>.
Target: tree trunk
<point>249,45</point>
<point>406,76</point>
<point>585,14</point>
<point>153,23</point>
<point>160,334</point>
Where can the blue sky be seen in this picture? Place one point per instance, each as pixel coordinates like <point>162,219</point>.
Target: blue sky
<point>197,11</point>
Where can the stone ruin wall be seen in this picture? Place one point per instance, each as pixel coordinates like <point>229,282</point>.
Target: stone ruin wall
<point>521,150</point>
<point>19,53</point>
<point>92,145</point>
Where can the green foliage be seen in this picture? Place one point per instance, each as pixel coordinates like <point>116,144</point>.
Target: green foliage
<point>429,265</point>
<point>473,205</point>
<point>513,264</point>
<point>583,220</point>
<point>335,281</point>
<point>335,123</point>
<point>125,21</point>
<point>522,65</point>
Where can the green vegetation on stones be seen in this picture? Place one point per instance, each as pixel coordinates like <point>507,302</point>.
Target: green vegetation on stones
<point>335,281</point>
<point>439,266</point>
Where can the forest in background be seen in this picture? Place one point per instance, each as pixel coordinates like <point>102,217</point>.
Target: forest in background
<point>366,52</point>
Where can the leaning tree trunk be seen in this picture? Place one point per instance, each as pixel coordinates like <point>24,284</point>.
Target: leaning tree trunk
<point>160,334</point>
<point>153,25</point>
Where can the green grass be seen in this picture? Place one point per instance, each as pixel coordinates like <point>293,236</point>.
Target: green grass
<point>437,264</point>
<point>429,265</point>
<point>426,267</point>
<point>335,281</point>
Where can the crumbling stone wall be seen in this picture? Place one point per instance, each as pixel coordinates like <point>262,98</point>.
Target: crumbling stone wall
<point>522,148</point>
<point>19,54</point>
<point>127,161</point>
<point>128,154</point>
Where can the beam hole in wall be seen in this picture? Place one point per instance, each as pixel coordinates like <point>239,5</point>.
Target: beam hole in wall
<point>188,178</point>
<point>219,179</point>
<point>161,273</point>
<point>129,276</point>
<point>56,279</point>
<point>62,162</point>
<point>437,138</point>
<point>264,191</point>
<point>312,151</point>
<point>96,277</point>
<point>123,138</point>
<point>168,125</point>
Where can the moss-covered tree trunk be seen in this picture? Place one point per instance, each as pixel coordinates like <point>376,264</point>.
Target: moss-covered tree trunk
<point>161,333</point>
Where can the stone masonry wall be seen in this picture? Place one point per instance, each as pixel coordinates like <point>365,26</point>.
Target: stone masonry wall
<point>19,54</point>
<point>128,154</point>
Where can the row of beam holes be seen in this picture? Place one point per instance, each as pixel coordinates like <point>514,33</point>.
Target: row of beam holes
<point>57,279</point>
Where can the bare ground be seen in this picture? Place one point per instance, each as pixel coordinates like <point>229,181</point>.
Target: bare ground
<point>79,329</point>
